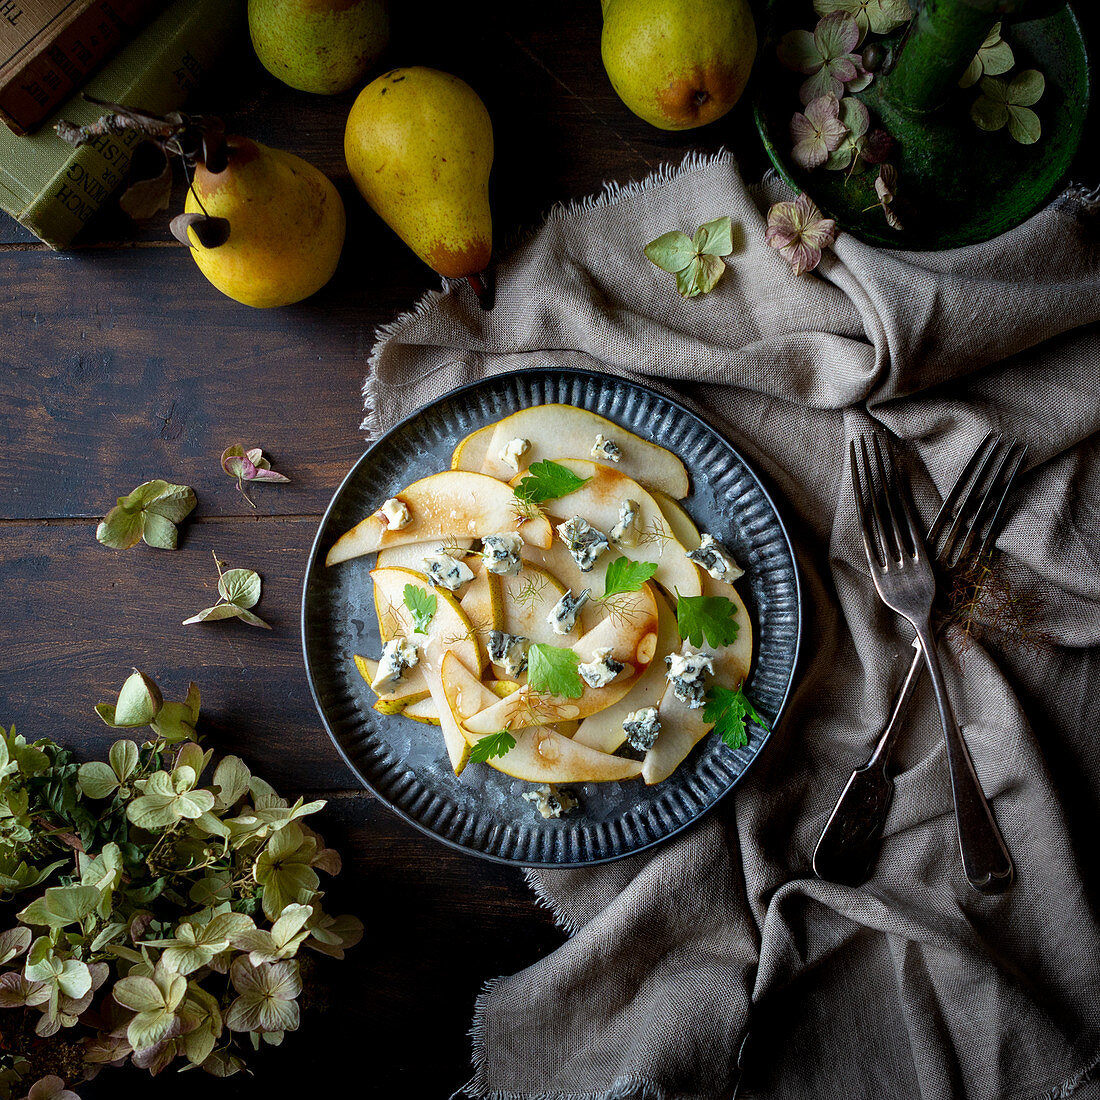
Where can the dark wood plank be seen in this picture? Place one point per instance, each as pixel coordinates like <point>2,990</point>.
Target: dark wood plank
<point>83,615</point>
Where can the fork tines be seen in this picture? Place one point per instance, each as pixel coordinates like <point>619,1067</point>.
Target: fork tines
<point>972,508</point>
<point>877,491</point>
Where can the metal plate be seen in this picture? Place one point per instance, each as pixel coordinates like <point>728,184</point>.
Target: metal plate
<point>404,762</point>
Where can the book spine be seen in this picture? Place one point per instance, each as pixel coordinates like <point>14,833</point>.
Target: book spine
<point>25,24</point>
<point>47,77</point>
<point>93,172</point>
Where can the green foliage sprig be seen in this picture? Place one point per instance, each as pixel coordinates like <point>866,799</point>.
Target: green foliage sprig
<point>153,906</point>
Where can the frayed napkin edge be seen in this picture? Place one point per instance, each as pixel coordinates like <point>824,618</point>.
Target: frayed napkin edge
<point>626,1087</point>
<point>544,900</point>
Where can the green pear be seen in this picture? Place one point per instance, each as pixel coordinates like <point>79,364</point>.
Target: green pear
<point>678,63</point>
<point>285,225</point>
<point>323,46</point>
<point>419,145</point>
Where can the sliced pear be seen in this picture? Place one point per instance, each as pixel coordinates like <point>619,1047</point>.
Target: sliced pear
<point>556,430</point>
<point>598,502</point>
<point>471,450</point>
<point>453,504</point>
<point>604,729</point>
<point>422,711</point>
<point>528,598</point>
<point>684,530</point>
<point>558,564</point>
<point>411,688</point>
<point>450,631</point>
<point>411,554</point>
<point>482,602</point>
<point>683,727</point>
<point>543,755</point>
<point>631,635</point>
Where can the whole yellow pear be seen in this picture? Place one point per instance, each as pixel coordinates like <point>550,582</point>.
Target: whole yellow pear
<point>419,145</point>
<point>323,46</point>
<point>286,225</point>
<point>678,63</point>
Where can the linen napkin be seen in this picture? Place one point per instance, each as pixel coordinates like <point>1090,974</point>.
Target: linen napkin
<point>717,963</point>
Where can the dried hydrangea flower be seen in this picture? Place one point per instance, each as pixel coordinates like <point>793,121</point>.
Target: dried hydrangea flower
<point>879,16</point>
<point>827,57</point>
<point>857,119</point>
<point>993,58</point>
<point>817,132</point>
<point>1010,102</point>
<point>800,232</point>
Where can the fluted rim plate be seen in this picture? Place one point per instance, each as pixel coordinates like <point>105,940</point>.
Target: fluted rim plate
<point>482,812</point>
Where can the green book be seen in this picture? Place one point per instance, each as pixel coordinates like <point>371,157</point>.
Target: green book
<point>52,188</point>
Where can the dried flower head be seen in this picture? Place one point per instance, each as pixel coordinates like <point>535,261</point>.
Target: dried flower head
<point>817,133</point>
<point>827,56</point>
<point>800,232</point>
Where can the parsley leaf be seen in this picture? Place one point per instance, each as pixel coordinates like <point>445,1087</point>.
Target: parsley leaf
<point>553,669</point>
<point>492,744</point>
<point>711,617</point>
<point>421,606</point>
<point>547,481</point>
<point>625,575</point>
<point>728,711</point>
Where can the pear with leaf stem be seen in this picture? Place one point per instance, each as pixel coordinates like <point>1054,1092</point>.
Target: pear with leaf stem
<point>264,226</point>
<point>419,145</point>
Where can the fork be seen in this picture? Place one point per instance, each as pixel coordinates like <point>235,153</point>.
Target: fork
<point>846,850</point>
<point>903,577</point>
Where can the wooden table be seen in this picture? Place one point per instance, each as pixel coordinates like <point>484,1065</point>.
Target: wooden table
<point>121,363</point>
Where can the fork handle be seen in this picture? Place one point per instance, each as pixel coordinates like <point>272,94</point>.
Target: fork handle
<point>985,856</point>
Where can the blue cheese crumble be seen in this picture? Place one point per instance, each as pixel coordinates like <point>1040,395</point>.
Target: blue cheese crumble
<point>601,670</point>
<point>551,802</point>
<point>513,451</point>
<point>641,728</point>
<point>715,559</point>
<point>583,542</point>
<point>395,514</point>
<point>398,654</point>
<point>625,532</point>
<point>606,451</point>
<point>509,652</point>
<point>685,674</point>
<point>501,554</point>
<point>563,615</point>
<point>443,571</point>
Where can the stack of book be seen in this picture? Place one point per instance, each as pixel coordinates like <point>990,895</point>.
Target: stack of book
<point>55,51</point>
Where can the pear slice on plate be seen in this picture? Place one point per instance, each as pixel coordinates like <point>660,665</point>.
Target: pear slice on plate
<point>411,688</point>
<point>528,599</point>
<point>454,504</point>
<point>450,631</point>
<point>422,711</point>
<point>683,727</point>
<point>598,502</point>
<point>604,729</point>
<point>541,755</point>
<point>471,450</point>
<point>482,602</point>
<point>411,554</point>
<point>630,634</point>
<point>556,430</point>
<point>681,524</point>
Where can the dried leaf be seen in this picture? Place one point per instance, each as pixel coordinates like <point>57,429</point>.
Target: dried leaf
<point>146,198</point>
<point>671,252</point>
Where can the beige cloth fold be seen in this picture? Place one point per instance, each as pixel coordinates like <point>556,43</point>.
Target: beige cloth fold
<point>717,961</point>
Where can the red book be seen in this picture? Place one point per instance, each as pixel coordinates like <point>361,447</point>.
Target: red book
<point>49,48</point>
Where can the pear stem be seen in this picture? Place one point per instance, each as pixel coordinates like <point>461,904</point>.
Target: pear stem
<point>482,288</point>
